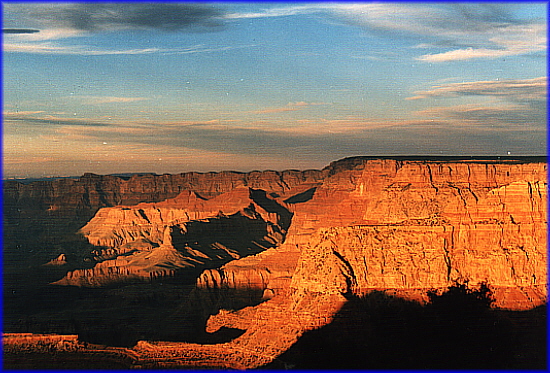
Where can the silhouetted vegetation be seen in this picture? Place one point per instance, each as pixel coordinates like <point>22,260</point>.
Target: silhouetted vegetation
<point>456,329</point>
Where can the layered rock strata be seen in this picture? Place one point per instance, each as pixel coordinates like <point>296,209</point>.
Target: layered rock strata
<point>421,225</point>
<point>40,213</point>
<point>154,240</point>
<point>404,226</point>
<point>90,192</point>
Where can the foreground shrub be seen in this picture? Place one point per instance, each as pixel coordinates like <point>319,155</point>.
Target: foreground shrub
<point>456,329</point>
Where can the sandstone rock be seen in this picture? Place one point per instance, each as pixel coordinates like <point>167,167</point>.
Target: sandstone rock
<point>371,224</point>
<point>419,225</point>
<point>60,260</point>
<point>401,225</point>
<point>187,233</point>
<point>405,227</point>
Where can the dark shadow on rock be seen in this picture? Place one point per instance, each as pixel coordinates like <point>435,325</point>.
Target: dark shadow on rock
<point>188,321</point>
<point>284,215</point>
<point>167,308</point>
<point>455,330</point>
<point>222,335</point>
<point>106,332</point>
<point>301,197</point>
<point>223,238</point>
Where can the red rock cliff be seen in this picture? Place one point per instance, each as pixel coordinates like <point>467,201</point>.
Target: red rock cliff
<point>39,213</point>
<point>400,225</point>
<point>418,225</point>
<point>404,227</point>
<point>383,223</point>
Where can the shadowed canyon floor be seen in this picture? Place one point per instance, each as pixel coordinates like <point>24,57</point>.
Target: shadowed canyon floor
<point>262,269</point>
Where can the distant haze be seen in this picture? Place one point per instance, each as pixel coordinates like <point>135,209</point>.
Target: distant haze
<point>169,87</point>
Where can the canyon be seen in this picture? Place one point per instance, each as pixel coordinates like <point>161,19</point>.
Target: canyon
<point>255,260</point>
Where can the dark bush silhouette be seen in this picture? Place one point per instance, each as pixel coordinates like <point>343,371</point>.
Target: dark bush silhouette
<point>465,332</point>
<point>456,329</point>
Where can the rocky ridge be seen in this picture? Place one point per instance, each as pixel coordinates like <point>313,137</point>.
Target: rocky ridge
<point>406,227</point>
<point>400,225</point>
<point>178,236</point>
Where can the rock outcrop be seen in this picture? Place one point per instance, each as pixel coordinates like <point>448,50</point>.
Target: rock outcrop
<point>90,192</point>
<point>30,209</point>
<point>421,225</point>
<point>371,224</point>
<point>154,240</point>
<point>404,227</point>
<point>59,261</point>
<point>275,254</point>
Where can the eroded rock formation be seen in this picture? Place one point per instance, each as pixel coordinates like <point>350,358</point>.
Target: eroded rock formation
<point>30,209</point>
<point>419,225</point>
<point>274,254</point>
<point>180,236</point>
<point>406,227</point>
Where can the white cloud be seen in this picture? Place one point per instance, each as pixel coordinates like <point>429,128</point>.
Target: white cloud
<point>488,116</point>
<point>512,41</point>
<point>99,100</point>
<point>45,47</point>
<point>519,90</point>
<point>512,102</point>
<point>51,48</point>
<point>478,30</point>
<point>277,12</point>
<point>46,34</point>
<point>454,31</point>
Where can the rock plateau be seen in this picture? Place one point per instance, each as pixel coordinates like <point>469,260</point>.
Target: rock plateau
<point>275,253</point>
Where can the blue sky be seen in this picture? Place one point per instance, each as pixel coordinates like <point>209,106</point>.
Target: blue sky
<point>176,87</point>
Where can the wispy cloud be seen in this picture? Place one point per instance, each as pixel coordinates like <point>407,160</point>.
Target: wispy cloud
<point>327,139</point>
<point>92,145</point>
<point>99,100</point>
<point>511,41</point>
<point>487,116</point>
<point>451,32</point>
<point>518,90</point>
<point>279,11</point>
<point>54,48</point>
<point>478,30</point>
<point>51,48</point>
<point>21,113</point>
<point>511,102</point>
<point>28,117</point>
<point>463,31</point>
<point>291,106</point>
<point>45,34</point>
<point>69,20</point>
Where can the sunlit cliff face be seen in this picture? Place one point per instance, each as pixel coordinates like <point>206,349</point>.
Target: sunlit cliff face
<point>274,254</point>
<point>388,223</point>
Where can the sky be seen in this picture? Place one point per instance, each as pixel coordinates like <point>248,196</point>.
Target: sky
<point>178,87</point>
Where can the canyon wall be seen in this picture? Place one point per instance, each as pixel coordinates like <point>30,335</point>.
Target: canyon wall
<point>405,226</point>
<point>357,225</point>
<point>418,225</point>
<point>182,235</point>
<point>42,213</point>
<point>91,191</point>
